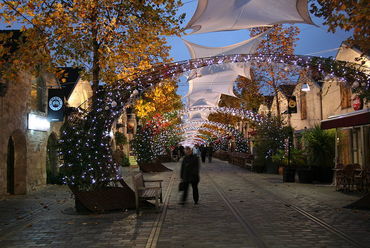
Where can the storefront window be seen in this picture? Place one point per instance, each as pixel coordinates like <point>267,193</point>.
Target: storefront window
<point>353,145</point>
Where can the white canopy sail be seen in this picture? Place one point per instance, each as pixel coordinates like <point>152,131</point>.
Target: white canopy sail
<point>244,47</point>
<point>222,15</point>
<point>221,82</point>
<point>204,99</point>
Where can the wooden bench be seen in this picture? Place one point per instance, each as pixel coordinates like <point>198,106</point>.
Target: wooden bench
<point>143,192</point>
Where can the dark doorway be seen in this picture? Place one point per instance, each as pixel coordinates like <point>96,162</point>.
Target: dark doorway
<point>52,160</point>
<point>10,166</point>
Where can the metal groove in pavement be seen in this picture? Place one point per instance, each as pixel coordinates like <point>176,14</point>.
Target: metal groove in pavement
<point>247,226</point>
<point>311,217</point>
<point>154,234</point>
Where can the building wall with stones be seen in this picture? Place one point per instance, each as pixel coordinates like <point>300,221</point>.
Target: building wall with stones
<point>29,146</point>
<point>26,148</point>
<point>308,106</point>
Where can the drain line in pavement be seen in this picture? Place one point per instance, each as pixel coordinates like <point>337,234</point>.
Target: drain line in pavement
<point>154,234</point>
<point>247,226</point>
<point>311,217</point>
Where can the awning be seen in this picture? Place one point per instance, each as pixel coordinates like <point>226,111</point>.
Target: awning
<point>356,118</point>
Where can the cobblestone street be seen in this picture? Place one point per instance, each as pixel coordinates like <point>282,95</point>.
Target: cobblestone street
<point>237,209</point>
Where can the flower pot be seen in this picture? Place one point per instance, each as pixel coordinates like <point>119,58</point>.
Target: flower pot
<point>281,170</point>
<point>289,175</point>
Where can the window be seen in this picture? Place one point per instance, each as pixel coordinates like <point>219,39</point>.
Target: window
<point>345,96</point>
<point>303,106</point>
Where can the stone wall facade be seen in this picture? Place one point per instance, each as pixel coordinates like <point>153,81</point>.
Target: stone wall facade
<point>22,151</point>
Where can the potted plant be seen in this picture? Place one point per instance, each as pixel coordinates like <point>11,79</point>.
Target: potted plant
<point>320,149</point>
<point>304,171</point>
<point>281,158</point>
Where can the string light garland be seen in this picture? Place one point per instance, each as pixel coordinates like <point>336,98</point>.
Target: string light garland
<point>85,144</point>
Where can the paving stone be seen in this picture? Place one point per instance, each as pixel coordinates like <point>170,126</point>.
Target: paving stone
<point>261,212</point>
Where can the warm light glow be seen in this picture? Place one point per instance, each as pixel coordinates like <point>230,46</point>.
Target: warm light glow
<point>38,123</point>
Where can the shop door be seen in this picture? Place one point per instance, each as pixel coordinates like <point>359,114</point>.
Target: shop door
<point>356,145</point>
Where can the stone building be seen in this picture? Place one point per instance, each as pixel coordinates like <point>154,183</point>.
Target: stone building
<point>27,138</point>
<point>329,102</point>
<point>348,114</point>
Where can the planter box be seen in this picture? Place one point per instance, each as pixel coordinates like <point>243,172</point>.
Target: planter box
<point>105,199</point>
<point>272,168</point>
<point>323,174</point>
<point>305,175</point>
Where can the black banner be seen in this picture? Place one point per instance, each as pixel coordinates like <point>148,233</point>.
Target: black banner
<point>292,105</point>
<point>55,105</point>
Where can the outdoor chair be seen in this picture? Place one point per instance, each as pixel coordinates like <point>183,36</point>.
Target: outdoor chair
<point>359,177</point>
<point>143,192</point>
<point>339,177</point>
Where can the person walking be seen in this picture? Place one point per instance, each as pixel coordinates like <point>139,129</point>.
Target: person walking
<point>196,151</point>
<point>210,152</point>
<point>190,175</point>
<point>203,153</point>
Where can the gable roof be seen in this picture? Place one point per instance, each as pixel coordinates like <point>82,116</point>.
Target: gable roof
<point>287,89</point>
<point>68,78</point>
<point>267,100</point>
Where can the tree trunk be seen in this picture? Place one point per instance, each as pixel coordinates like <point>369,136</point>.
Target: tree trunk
<point>277,101</point>
<point>96,67</point>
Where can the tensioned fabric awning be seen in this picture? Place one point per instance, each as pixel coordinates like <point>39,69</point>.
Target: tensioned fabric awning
<point>357,118</point>
<point>225,15</point>
<point>217,82</point>
<point>197,115</point>
<point>206,99</point>
<point>244,47</point>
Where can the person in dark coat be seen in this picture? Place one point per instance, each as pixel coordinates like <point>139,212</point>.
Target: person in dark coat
<point>190,175</point>
<point>203,153</point>
<point>182,153</point>
<point>210,152</point>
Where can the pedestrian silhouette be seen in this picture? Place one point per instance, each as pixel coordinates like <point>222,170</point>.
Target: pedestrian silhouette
<point>210,152</point>
<point>190,175</point>
<point>203,153</point>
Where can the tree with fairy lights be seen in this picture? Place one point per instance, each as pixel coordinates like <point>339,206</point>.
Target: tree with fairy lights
<point>110,40</point>
<point>142,145</point>
<point>155,138</point>
<point>280,41</point>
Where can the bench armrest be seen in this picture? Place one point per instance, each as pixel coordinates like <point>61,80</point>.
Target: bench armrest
<point>154,181</point>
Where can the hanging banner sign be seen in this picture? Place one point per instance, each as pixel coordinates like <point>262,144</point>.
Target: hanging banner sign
<point>357,103</point>
<point>292,105</point>
<point>55,105</point>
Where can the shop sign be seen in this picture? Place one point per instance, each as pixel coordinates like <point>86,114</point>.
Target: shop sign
<point>357,103</point>
<point>55,105</point>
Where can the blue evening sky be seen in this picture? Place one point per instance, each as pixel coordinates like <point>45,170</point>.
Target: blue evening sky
<point>313,40</point>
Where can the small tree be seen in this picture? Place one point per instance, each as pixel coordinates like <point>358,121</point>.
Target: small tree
<point>319,146</point>
<point>271,137</point>
<point>157,101</point>
<point>142,145</point>
<point>280,41</point>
